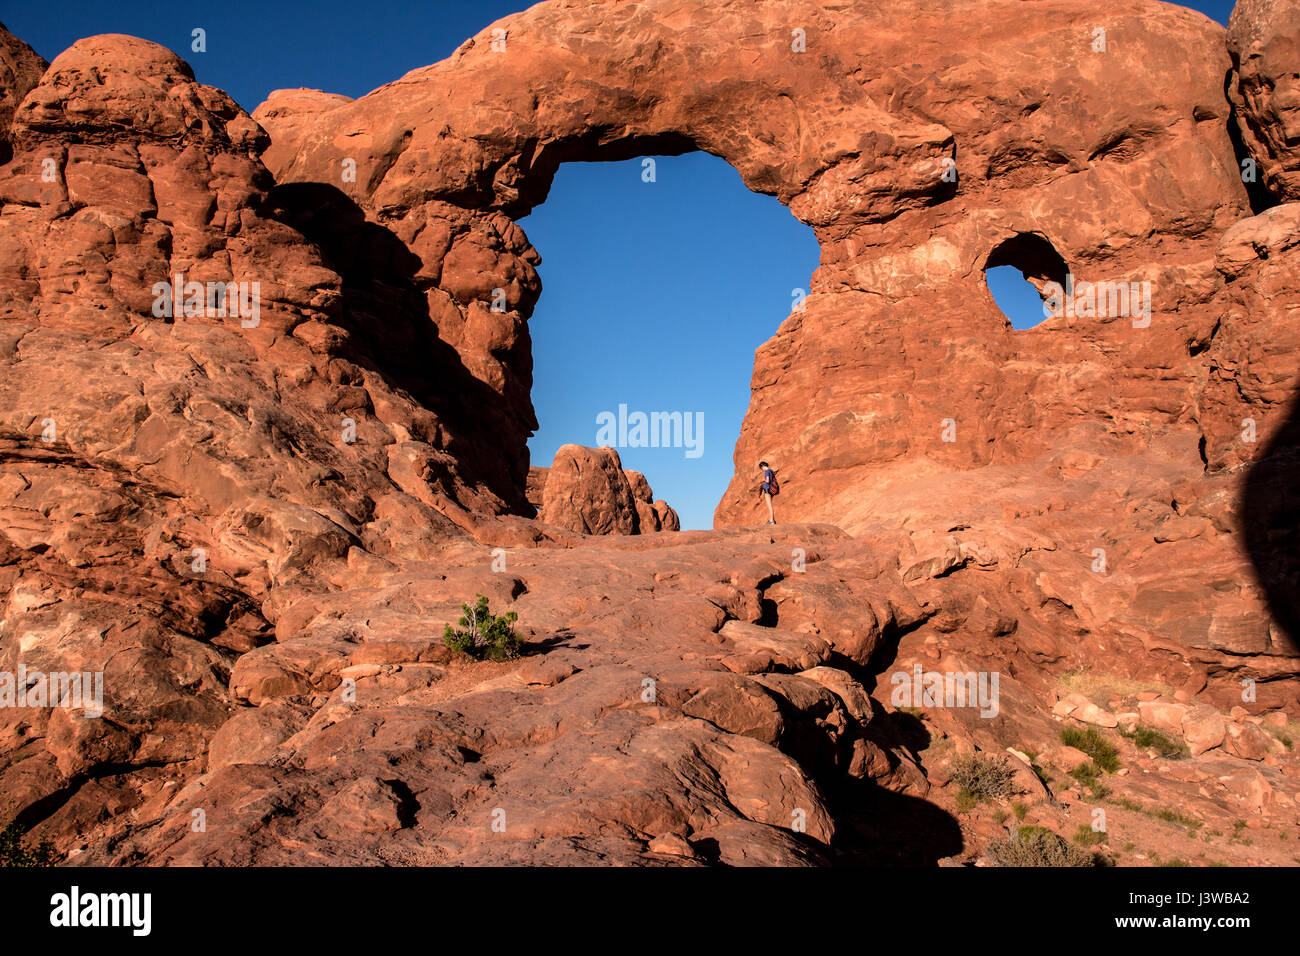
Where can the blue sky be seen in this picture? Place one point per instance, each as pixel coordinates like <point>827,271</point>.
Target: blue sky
<point>677,282</point>
<point>655,294</point>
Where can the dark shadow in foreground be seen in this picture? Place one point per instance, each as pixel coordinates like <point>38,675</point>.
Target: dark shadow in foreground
<point>1270,516</point>
<point>877,827</point>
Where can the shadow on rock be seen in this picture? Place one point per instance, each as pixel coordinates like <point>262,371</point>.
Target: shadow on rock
<point>910,730</point>
<point>877,827</point>
<point>1271,525</point>
<point>386,313</point>
<point>562,638</point>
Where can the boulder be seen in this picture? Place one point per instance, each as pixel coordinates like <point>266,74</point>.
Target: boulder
<point>778,648</point>
<point>1067,758</point>
<point>1082,709</point>
<point>1247,741</point>
<point>1203,729</point>
<point>1164,716</point>
<point>586,490</point>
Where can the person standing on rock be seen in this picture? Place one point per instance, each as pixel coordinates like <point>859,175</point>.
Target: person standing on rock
<point>768,488</point>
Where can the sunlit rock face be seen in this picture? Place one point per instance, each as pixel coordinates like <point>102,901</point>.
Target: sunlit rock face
<point>588,491</point>
<point>923,142</point>
<point>265,400</point>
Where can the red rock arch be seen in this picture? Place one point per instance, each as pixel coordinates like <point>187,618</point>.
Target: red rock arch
<point>855,135</point>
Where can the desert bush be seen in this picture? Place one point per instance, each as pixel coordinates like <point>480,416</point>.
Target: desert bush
<point>482,634</point>
<point>966,801</point>
<point>1091,742</point>
<point>1038,846</point>
<point>1173,816</point>
<point>983,777</point>
<point>1087,836</point>
<point>13,853</point>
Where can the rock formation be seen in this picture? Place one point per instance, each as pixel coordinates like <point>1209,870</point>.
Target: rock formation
<point>936,411</point>
<point>20,70</point>
<point>1265,89</point>
<point>587,490</point>
<point>265,400</point>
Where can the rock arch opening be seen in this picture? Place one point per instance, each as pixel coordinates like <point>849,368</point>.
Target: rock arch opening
<point>661,275</point>
<point>1016,274</point>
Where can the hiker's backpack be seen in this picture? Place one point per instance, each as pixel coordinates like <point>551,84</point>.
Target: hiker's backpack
<point>773,486</point>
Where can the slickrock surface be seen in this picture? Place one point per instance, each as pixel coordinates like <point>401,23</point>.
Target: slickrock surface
<point>256,524</point>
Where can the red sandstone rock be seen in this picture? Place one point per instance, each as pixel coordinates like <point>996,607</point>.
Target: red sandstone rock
<point>1068,758</point>
<point>20,71</point>
<point>296,110</point>
<point>1082,709</point>
<point>1247,741</point>
<point>1046,424</point>
<point>256,532</point>
<point>1264,41</point>
<point>1203,729</point>
<point>535,490</point>
<point>1164,716</point>
<point>586,490</point>
<point>668,520</point>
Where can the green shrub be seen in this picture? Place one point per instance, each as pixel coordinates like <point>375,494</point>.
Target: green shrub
<point>966,801</point>
<point>1173,816</point>
<point>1148,738</point>
<point>1091,742</point>
<point>1164,813</point>
<point>1089,775</point>
<point>1087,836</point>
<point>484,635</point>
<point>1038,846</point>
<point>13,853</point>
<point>984,778</point>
